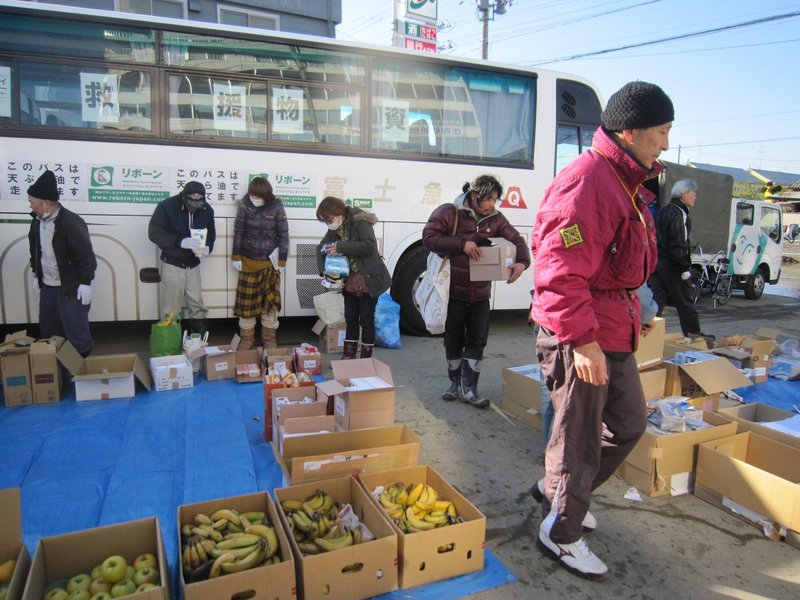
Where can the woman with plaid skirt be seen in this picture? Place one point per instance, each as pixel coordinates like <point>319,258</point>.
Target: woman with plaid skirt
<point>260,228</point>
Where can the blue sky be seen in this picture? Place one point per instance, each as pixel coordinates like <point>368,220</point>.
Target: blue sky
<point>736,91</point>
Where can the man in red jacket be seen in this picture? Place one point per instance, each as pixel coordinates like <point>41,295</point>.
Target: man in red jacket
<point>594,243</point>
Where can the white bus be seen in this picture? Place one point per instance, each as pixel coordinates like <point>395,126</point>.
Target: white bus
<point>126,109</point>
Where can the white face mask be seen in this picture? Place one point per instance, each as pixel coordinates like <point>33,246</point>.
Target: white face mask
<point>257,201</point>
<point>335,223</point>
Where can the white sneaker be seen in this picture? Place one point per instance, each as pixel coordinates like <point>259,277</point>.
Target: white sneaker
<point>576,557</point>
<point>589,522</point>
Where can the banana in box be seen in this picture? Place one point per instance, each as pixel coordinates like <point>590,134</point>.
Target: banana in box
<point>349,569</point>
<point>435,553</point>
<point>274,579</point>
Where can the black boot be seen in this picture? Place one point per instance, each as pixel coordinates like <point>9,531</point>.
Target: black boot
<point>366,350</point>
<point>454,374</point>
<point>350,349</point>
<point>470,372</point>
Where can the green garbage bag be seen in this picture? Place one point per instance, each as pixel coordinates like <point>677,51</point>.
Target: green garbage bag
<point>165,337</point>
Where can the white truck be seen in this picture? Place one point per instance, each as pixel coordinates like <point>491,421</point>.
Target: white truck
<point>749,231</point>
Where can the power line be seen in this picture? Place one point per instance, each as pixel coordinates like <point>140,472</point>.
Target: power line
<point>783,139</point>
<point>669,39</point>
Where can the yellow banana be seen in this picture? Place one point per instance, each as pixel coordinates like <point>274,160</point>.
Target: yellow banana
<point>440,519</point>
<point>7,570</point>
<point>357,536</point>
<point>291,505</point>
<point>327,502</point>
<point>441,505</point>
<point>414,494</point>
<point>314,503</point>
<point>226,513</point>
<point>216,567</point>
<point>237,552</point>
<point>208,545</point>
<point>248,562</point>
<point>308,547</point>
<point>402,496</point>
<point>239,541</point>
<point>344,540</point>
<point>268,533</point>
<point>194,559</point>
<point>186,530</point>
<point>220,524</point>
<point>201,519</point>
<point>186,557</point>
<point>451,510</point>
<point>202,555</point>
<point>301,520</point>
<point>416,522</point>
<point>232,527</point>
<point>386,501</point>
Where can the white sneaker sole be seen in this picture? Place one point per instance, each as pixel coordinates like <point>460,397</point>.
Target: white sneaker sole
<point>556,556</point>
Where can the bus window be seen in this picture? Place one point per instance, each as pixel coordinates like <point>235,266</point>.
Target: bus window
<point>84,97</point>
<point>315,114</point>
<point>6,92</point>
<point>473,114</point>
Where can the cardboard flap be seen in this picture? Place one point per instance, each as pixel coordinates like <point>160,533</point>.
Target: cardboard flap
<point>318,326</point>
<point>361,367</point>
<point>11,532</point>
<point>70,358</point>
<point>142,373</point>
<point>716,375</point>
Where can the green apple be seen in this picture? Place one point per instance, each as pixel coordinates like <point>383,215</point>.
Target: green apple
<point>144,560</point>
<point>102,596</point>
<point>114,568</point>
<point>99,585</point>
<point>146,575</point>
<point>146,586</point>
<point>57,594</point>
<point>80,594</point>
<point>130,572</point>
<point>96,572</point>
<point>81,581</point>
<point>124,587</point>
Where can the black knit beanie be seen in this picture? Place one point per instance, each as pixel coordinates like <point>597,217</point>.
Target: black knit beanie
<point>637,105</point>
<point>45,188</point>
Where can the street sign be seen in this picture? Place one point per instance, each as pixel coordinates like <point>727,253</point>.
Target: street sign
<point>420,31</point>
<point>419,45</point>
<point>423,10</point>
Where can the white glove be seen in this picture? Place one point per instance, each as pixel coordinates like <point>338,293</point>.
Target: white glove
<point>201,251</point>
<point>85,294</point>
<point>34,281</point>
<point>686,275</point>
<point>190,243</point>
<point>236,264</point>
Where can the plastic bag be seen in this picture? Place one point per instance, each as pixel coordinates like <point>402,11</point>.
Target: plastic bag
<point>387,322</point>
<point>337,265</point>
<point>330,307</point>
<point>433,293</point>
<point>166,337</point>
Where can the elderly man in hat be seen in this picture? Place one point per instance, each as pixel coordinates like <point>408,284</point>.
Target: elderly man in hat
<point>594,244</point>
<point>62,264</point>
<point>182,226</point>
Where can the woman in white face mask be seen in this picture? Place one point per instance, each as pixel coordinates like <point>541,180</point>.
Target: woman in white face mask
<point>260,229</point>
<point>351,234</point>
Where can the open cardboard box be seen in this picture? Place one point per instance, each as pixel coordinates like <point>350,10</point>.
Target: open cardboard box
<point>11,543</point>
<point>273,581</point>
<point>750,417</point>
<point>521,394</point>
<point>105,377</point>
<point>756,472</point>
<point>653,382</point>
<point>308,359</point>
<point>279,358</point>
<point>752,352</point>
<point>660,465</point>
<point>440,553</point>
<point>305,388</point>
<point>650,350</point>
<point>16,368</point>
<point>281,398</point>
<point>495,262</point>
<point>220,361</point>
<point>60,557</point>
<point>344,452</point>
<point>171,372</point>
<point>250,357</point>
<point>353,572</point>
<point>703,379</point>
<point>304,425</point>
<point>365,395</point>
<point>331,335</point>
<point>677,342</point>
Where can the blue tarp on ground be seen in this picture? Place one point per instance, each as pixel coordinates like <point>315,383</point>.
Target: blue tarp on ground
<point>84,464</point>
<point>777,393</point>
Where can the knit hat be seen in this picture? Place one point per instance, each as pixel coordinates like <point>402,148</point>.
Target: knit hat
<point>45,187</point>
<point>637,105</point>
<point>194,187</point>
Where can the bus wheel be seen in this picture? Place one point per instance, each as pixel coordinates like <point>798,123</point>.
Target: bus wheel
<point>407,275</point>
<point>754,287</point>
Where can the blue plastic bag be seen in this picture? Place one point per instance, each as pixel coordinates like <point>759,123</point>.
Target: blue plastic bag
<point>387,322</point>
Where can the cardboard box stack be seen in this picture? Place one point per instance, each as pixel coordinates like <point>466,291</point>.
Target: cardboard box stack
<point>12,547</point>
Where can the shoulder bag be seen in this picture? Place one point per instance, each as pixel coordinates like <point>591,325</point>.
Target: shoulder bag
<point>433,292</point>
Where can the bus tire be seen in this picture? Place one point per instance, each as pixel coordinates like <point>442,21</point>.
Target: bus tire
<point>407,274</point>
<point>754,286</point>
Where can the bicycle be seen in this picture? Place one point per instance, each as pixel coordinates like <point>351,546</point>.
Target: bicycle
<point>711,277</point>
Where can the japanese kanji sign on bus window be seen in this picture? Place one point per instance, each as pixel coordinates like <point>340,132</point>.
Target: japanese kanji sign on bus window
<point>99,98</point>
<point>394,121</point>
<point>5,91</point>
<point>230,107</point>
<point>287,110</point>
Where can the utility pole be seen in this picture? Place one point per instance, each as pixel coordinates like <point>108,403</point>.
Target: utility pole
<point>487,12</point>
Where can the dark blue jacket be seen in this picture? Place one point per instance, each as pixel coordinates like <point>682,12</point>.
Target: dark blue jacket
<point>170,223</point>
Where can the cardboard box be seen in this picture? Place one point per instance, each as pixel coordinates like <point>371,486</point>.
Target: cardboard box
<point>11,544</point>
<point>302,419</point>
<point>353,572</point>
<point>495,262</point>
<point>751,417</point>
<point>660,465</point>
<point>273,581</point>
<point>331,335</point>
<point>366,393</point>
<point>248,357</point>
<point>16,369</point>
<point>280,389</point>
<point>346,452</point>
<point>171,372</point>
<point>653,382</point>
<point>62,556</point>
<point>677,342</point>
<point>105,377</point>
<point>279,358</point>
<point>220,361</point>
<point>650,350</point>
<point>756,472</point>
<point>308,360</point>
<point>702,381</point>
<point>421,560</point>
<point>521,394</point>
<point>280,398</point>
<point>45,370</point>
<point>754,352</point>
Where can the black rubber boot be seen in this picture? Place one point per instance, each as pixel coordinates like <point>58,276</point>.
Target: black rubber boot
<point>350,349</point>
<point>454,374</point>
<point>470,372</point>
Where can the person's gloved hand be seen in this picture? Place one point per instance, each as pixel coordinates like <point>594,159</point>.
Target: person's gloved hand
<point>33,281</point>
<point>686,275</point>
<point>236,264</point>
<point>190,243</point>
<point>85,294</point>
<point>201,251</point>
